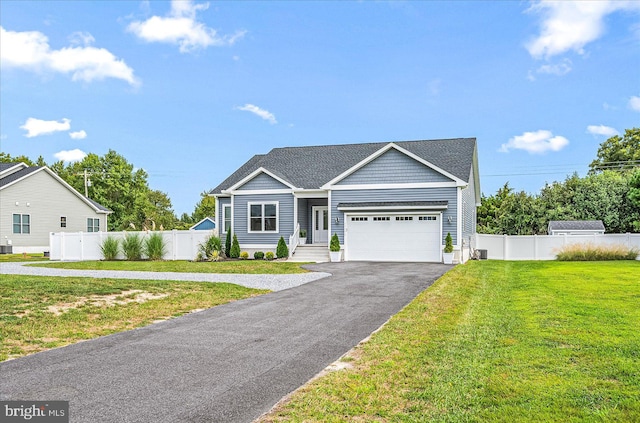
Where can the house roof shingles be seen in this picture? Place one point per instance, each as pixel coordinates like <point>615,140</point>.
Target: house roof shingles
<point>312,167</point>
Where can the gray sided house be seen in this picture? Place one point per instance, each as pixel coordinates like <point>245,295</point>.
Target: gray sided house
<point>391,201</point>
<point>34,202</point>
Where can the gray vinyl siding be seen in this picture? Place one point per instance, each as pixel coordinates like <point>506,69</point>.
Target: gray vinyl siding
<point>48,200</point>
<point>469,209</point>
<point>391,168</point>
<point>405,194</point>
<point>303,218</point>
<point>285,218</point>
<point>261,182</point>
<point>220,223</point>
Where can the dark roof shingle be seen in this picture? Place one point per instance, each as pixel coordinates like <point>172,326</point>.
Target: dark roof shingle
<point>576,225</point>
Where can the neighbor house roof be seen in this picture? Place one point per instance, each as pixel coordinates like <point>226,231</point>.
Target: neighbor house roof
<point>12,177</point>
<point>576,225</point>
<point>312,167</point>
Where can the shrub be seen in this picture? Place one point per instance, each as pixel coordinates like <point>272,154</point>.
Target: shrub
<point>303,233</point>
<point>448,243</point>
<point>244,255</point>
<point>594,252</point>
<point>155,247</point>
<point>227,244</point>
<point>211,244</point>
<point>215,255</point>
<point>282,251</point>
<point>110,247</point>
<point>132,246</point>
<point>235,248</point>
<point>334,246</point>
<point>258,255</point>
<point>269,255</point>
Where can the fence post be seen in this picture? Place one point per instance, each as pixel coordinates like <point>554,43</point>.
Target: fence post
<point>535,246</point>
<point>174,237</point>
<point>62,246</point>
<point>504,246</point>
<point>81,246</point>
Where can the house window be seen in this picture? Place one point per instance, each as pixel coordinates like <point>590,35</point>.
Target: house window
<point>263,217</point>
<point>226,215</point>
<point>93,225</point>
<point>21,224</point>
<point>63,221</point>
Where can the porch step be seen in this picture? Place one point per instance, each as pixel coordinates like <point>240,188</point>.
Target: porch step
<point>314,253</point>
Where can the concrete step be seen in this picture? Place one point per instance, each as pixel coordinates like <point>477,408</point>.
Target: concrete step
<point>313,253</point>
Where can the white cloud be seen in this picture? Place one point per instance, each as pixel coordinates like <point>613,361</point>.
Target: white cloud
<point>78,135</point>
<point>70,155</point>
<point>81,39</point>
<point>602,130</point>
<point>535,142</point>
<point>30,50</point>
<point>634,103</point>
<point>36,127</point>
<point>559,69</point>
<point>264,114</point>
<point>570,25</point>
<point>182,28</point>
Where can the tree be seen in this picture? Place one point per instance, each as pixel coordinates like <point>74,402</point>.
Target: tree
<point>234,252</point>
<point>6,158</point>
<point>618,153</point>
<point>206,207</point>
<point>634,196</point>
<point>282,251</point>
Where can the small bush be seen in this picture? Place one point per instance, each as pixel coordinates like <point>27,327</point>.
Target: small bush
<point>244,255</point>
<point>448,243</point>
<point>269,255</point>
<point>227,244</point>
<point>235,248</point>
<point>110,247</point>
<point>595,252</point>
<point>282,251</point>
<point>303,233</point>
<point>132,246</point>
<point>334,246</point>
<point>215,255</point>
<point>258,255</point>
<point>155,247</point>
<point>211,244</point>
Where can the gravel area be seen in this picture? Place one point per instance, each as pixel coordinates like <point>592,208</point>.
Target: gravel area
<point>271,282</point>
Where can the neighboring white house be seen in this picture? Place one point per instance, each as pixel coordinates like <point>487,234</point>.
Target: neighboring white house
<point>575,227</point>
<point>34,202</point>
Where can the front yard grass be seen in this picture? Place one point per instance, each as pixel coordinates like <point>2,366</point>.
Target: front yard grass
<point>495,341</point>
<point>39,313</point>
<point>254,267</point>
<point>23,257</point>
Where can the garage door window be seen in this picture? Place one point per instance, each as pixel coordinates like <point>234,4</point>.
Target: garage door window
<point>381,218</point>
<point>359,219</point>
<point>404,217</point>
<point>428,218</point>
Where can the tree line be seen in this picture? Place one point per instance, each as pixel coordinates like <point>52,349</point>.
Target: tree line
<point>609,192</point>
<point>116,184</point>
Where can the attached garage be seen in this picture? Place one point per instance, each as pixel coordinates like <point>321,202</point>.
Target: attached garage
<point>411,233</point>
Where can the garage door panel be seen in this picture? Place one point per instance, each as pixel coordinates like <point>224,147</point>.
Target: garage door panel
<point>398,238</point>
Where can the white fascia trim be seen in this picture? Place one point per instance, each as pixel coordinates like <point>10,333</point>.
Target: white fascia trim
<point>310,193</point>
<point>396,186</point>
<point>14,169</point>
<point>459,218</point>
<point>262,191</point>
<point>383,209</point>
<point>329,185</point>
<point>66,185</point>
<point>253,175</point>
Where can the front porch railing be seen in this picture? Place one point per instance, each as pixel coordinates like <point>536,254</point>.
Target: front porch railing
<point>294,240</point>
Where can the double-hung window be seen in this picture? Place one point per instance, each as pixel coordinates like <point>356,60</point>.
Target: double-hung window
<point>226,216</point>
<point>93,224</point>
<point>21,224</point>
<point>263,217</point>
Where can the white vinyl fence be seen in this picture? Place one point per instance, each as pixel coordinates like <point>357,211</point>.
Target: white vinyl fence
<point>180,245</point>
<point>544,247</point>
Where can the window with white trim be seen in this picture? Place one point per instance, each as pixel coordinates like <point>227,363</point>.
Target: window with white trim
<point>63,221</point>
<point>226,218</point>
<point>21,224</point>
<point>93,224</point>
<point>263,217</point>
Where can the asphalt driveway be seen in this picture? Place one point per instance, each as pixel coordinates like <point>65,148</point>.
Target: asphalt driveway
<point>230,363</point>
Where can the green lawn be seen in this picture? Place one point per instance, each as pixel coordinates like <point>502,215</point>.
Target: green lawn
<point>496,341</point>
<point>22,257</point>
<point>255,267</point>
<point>38,313</point>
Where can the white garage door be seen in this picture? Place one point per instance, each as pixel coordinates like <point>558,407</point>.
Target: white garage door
<point>393,237</point>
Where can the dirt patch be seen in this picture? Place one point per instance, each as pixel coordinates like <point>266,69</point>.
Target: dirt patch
<point>124,297</point>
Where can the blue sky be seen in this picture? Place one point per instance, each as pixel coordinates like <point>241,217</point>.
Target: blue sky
<point>189,91</point>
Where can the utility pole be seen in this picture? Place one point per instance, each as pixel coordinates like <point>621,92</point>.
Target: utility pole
<point>87,182</point>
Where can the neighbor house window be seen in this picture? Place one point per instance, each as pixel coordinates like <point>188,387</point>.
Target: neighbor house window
<point>93,225</point>
<point>21,224</point>
<point>63,221</point>
<point>263,217</point>
<point>226,215</point>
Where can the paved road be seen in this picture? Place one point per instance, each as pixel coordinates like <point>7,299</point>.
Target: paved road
<point>226,364</point>
<point>270,282</point>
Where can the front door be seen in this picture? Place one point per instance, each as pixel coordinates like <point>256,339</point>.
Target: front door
<point>320,224</point>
